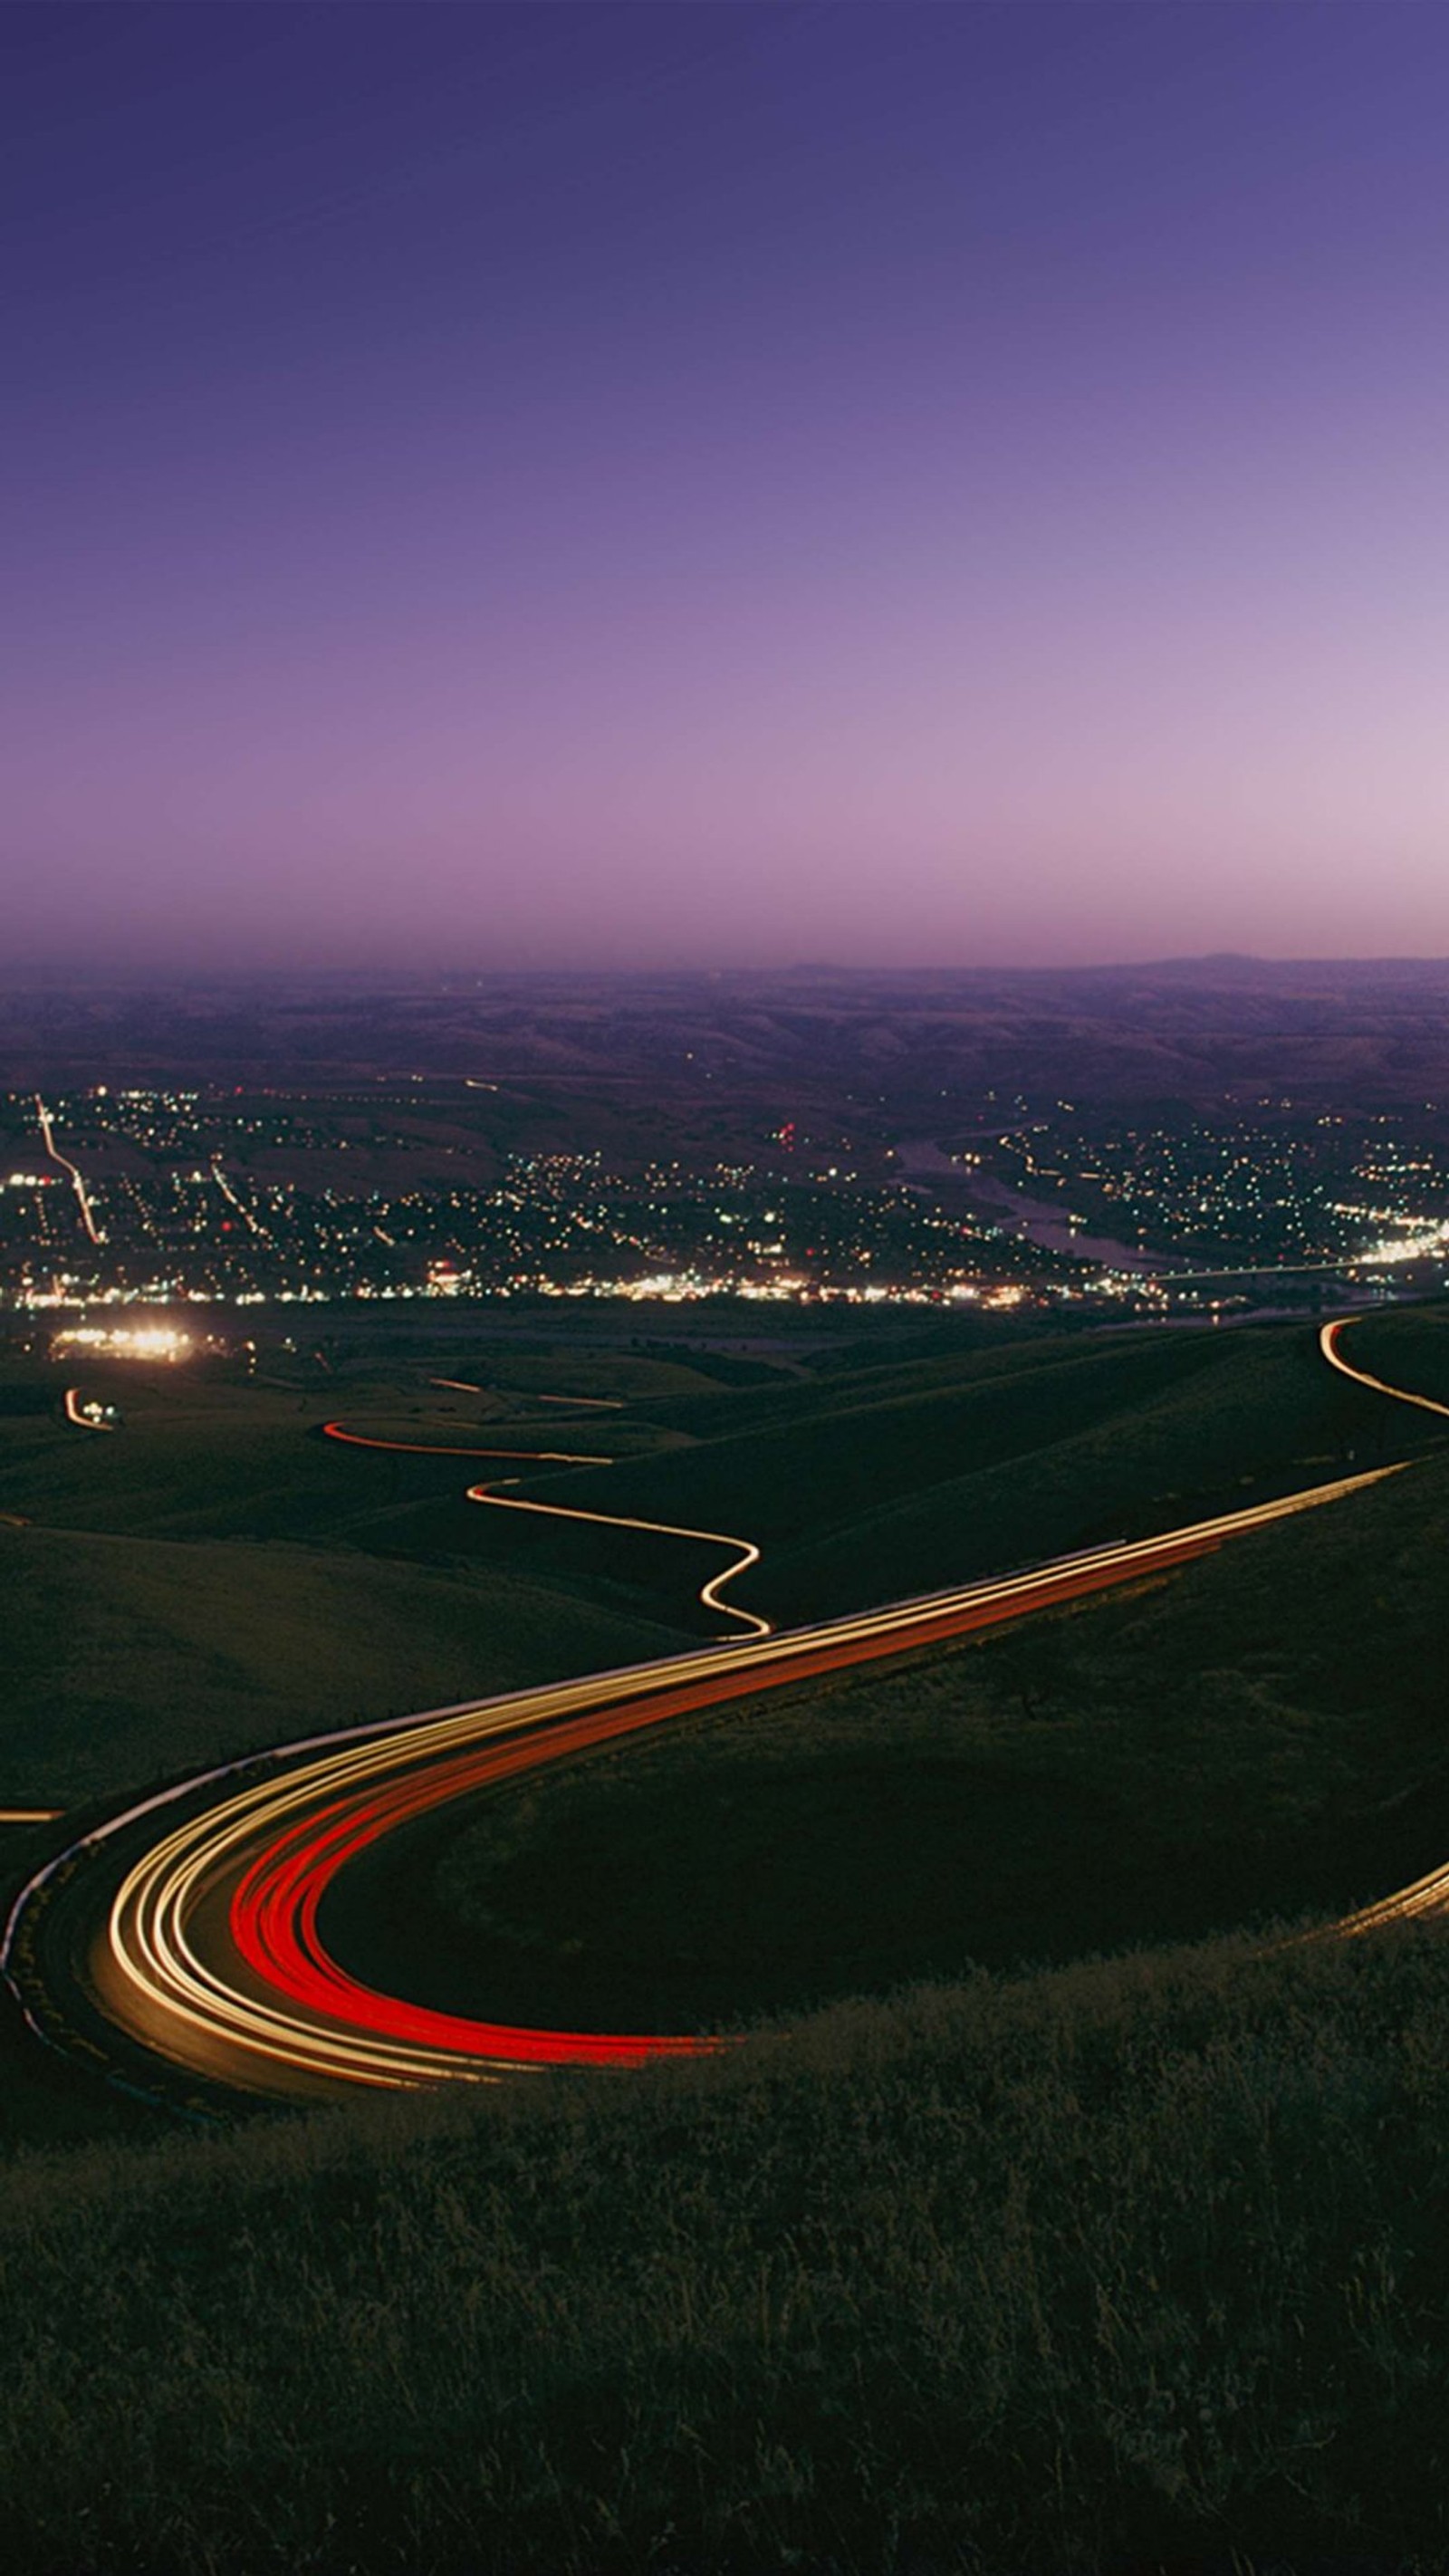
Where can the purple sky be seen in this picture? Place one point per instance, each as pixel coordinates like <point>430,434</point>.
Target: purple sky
<point>612,485</point>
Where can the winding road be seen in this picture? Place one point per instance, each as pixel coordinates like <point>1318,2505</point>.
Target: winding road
<point>747,1554</point>
<point>212,1952</point>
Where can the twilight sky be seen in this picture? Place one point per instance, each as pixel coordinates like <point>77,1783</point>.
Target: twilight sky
<point>726,484</point>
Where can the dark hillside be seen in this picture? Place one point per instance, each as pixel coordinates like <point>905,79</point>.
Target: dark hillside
<point>1130,2267</point>
<point>861,1494</point>
<point>130,1658</point>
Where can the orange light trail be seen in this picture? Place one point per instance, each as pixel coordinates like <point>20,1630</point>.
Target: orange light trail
<point>82,1420</point>
<point>747,1554</point>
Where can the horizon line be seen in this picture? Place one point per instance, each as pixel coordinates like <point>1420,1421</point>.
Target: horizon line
<point>42,976</point>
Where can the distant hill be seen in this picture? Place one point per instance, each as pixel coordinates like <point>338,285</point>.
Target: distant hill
<point>687,1052</point>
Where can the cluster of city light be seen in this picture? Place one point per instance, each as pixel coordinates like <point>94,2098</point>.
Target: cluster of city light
<point>560,1224</point>
<point>125,1341</point>
<point>675,1287</point>
<point>567,1225</point>
<point>1425,1239</point>
<point>1252,1190</point>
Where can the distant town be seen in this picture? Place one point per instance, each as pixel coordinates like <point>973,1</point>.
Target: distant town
<point>242,1196</point>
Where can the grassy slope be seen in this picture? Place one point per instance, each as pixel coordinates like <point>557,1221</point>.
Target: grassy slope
<point>127,1658</point>
<point>861,1483</point>
<point>194,1459</point>
<point>137,1643</point>
<point>881,1830</point>
<point>212,1578</point>
<point>613,1376</point>
<point>1119,2268</point>
<point>201,1460</point>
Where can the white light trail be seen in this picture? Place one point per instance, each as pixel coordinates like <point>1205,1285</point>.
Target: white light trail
<point>77,1183</point>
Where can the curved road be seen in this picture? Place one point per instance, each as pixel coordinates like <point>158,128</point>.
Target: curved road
<point>709,1593</point>
<point>1328,1341</point>
<point>1429,1895</point>
<point>212,1952</point>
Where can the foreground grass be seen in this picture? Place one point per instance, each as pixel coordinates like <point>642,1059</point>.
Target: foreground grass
<point>1125,2266</point>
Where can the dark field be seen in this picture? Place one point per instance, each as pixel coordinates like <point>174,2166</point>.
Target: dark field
<point>127,1658</point>
<point>215,1578</point>
<point>1408,1349</point>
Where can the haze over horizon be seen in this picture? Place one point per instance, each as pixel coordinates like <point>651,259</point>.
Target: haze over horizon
<point>604,487</point>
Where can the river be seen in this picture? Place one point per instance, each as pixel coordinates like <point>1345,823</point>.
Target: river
<point>925,1162</point>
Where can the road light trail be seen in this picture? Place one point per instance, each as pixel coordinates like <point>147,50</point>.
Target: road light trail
<point>1429,1896</point>
<point>229,1194</point>
<point>747,1554</point>
<point>75,1413</point>
<point>709,1593</point>
<point>584,1403</point>
<point>447,1449</point>
<point>575,1403</point>
<point>77,1182</point>
<point>1328,1344</point>
<point>212,1955</point>
<point>30,1815</point>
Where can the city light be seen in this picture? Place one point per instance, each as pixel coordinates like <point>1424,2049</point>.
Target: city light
<point>229,1197</point>
<point>124,1341</point>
